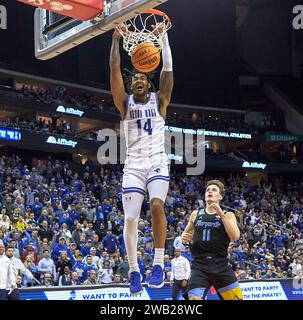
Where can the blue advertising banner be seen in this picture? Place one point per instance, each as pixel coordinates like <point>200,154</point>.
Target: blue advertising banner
<point>9,134</point>
<point>284,289</point>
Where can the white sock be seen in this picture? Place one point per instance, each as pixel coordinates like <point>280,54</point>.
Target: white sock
<point>159,257</point>
<point>133,264</point>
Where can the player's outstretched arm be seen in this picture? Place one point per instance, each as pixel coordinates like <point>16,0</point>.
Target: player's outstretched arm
<point>116,79</point>
<point>166,77</point>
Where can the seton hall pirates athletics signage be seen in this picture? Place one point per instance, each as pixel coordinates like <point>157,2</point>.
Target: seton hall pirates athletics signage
<point>207,133</point>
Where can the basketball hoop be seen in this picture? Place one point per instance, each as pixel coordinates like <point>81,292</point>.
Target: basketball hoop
<point>140,29</point>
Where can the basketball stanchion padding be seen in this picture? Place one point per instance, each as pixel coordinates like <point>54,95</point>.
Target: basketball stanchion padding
<point>77,9</point>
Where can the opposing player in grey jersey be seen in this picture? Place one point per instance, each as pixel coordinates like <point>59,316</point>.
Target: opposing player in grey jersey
<point>146,167</point>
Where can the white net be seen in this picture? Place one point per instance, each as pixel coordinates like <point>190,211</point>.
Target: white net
<point>148,27</point>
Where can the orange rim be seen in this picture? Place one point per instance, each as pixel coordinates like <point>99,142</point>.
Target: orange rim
<point>158,13</point>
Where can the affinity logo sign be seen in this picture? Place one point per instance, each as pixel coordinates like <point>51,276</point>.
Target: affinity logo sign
<point>3,18</point>
<point>253,165</point>
<point>61,141</point>
<point>71,111</point>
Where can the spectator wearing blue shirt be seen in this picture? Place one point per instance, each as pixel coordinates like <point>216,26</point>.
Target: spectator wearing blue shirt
<point>121,241</point>
<point>33,237</point>
<point>43,217</point>
<point>171,219</point>
<point>278,240</point>
<point>110,243</point>
<point>190,188</point>
<point>89,264</point>
<point>71,210</point>
<point>55,198</point>
<point>263,265</point>
<point>16,235</point>
<point>78,184</point>
<point>56,228</point>
<point>59,212</point>
<point>59,248</point>
<point>66,219</point>
<point>107,208</point>
<point>85,250</point>
<point>80,268</point>
<point>37,207</point>
<point>147,236</point>
<point>262,250</point>
<point>187,254</point>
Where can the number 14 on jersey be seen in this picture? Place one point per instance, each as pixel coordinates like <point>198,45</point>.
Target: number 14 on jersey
<point>147,126</point>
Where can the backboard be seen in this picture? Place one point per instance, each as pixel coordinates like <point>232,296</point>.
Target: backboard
<point>55,34</point>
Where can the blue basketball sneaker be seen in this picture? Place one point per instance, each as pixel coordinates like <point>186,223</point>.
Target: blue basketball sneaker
<point>156,280</point>
<point>135,283</point>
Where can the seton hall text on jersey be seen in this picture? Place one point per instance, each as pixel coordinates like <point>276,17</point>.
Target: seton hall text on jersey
<point>147,113</point>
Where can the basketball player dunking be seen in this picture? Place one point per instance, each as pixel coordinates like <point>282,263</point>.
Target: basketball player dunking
<point>146,166</point>
<point>212,230</point>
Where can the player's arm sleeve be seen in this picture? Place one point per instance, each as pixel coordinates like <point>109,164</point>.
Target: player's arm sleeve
<point>167,59</point>
<point>166,83</point>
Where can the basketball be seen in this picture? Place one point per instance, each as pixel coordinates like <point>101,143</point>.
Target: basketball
<point>145,57</point>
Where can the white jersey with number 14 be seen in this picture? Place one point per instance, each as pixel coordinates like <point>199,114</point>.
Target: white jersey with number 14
<point>144,127</point>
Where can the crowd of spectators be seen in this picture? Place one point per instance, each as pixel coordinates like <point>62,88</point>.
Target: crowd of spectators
<point>67,224</point>
<point>59,94</point>
<point>41,125</point>
<point>51,125</point>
